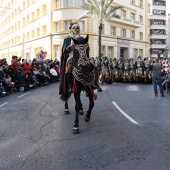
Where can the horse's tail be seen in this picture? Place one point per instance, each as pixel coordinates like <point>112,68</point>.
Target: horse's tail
<point>65,96</point>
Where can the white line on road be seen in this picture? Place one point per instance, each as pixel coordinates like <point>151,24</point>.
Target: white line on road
<point>3,104</point>
<point>124,114</point>
<point>40,88</point>
<point>24,94</point>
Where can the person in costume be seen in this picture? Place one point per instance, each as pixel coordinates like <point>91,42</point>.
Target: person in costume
<point>67,59</point>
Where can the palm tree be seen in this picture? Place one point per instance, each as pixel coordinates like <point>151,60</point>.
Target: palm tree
<point>100,10</point>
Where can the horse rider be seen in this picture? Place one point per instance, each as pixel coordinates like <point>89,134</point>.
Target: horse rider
<point>67,58</point>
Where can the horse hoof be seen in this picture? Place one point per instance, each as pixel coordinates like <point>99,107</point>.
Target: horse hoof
<point>75,130</point>
<point>86,118</point>
<point>81,112</point>
<point>99,90</point>
<point>66,111</point>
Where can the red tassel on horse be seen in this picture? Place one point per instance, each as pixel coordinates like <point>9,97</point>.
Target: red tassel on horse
<point>93,94</point>
<point>74,89</point>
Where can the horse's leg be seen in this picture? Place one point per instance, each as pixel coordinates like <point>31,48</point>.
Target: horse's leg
<point>66,110</point>
<point>81,112</point>
<point>77,108</point>
<point>91,105</point>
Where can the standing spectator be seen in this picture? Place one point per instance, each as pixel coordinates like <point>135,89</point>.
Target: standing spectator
<point>156,77</point>
<point>14,65</point>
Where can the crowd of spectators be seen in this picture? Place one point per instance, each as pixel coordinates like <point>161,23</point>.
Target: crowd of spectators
<point>22,75</point>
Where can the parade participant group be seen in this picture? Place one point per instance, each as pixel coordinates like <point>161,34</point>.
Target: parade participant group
<point>128,70</point>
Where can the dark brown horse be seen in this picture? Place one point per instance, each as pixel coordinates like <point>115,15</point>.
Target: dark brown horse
<point>83,79</point>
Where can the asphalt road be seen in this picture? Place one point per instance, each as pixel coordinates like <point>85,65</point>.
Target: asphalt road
<point>129,130</point>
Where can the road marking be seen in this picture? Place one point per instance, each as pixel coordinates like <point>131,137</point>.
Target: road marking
<point>124,114</point>
<point>132,88</point>
<point>24,94</point>
<point>40,88</point>
<point>3,104</point>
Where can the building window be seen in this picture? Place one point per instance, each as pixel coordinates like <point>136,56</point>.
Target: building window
<point>32,34</point>
<point>32,16</point>
<point>141,19</point>
<point>102,50</point>
<point>28,3</point>
<point>113,31</point>
<point>38,32</point>
<point>141,52</point>
<point>28,19</point>
<point>67,24</point>
<point>132,34</point>
<point>81,24</point>
<point>141,36</point>
<point>23,5</point>
<point>23,21</point>
<point>109,52</point>
<point>68,3</point>
<point>123,33</point>
<point>28,36</point>
<point>134,53</point>
<point>132,16</point>
<point>38,13</point>
<point>124,13</point>
<point>57,56</point>
<point>102,28</point>
<point>141,3</point>
<point>57,3</point>
<point>44,9</point>
<point>79,3</point>
<point>158,12</point>
<point>132,2</point>
<point>44,29</point>
<point>57,26</point>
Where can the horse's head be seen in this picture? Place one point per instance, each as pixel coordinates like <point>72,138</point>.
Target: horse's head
<point>81,54</point>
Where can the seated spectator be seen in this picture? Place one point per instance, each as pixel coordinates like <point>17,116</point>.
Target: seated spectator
<point>165,82</point>
<point>29,79</point>
<point>27,68</point>
<point>2,75</point>
<point>57,69</point>
<point>2,90</point>
<point>53,74</point>
<point>21,81</point>
<point>42,77</point>
<point>9,84</point>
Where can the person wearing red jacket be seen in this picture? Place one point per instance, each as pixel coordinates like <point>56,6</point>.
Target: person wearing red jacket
<point>27,68</point>
<point>15,65</point>
<point>57,69</point>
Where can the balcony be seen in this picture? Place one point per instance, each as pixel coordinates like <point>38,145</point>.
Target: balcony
<point>163,27</point>
<point>156,55</point>
<point>158,36</point>
<point>67,14</point>
<point>158,46</point>
<point>159,7</point>
<point>159,17</point>
<point>159,3</point>
<point>126,21</point>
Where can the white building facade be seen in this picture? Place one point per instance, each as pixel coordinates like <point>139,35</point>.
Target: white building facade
<point>30,26</point>
<point>158,26</point>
